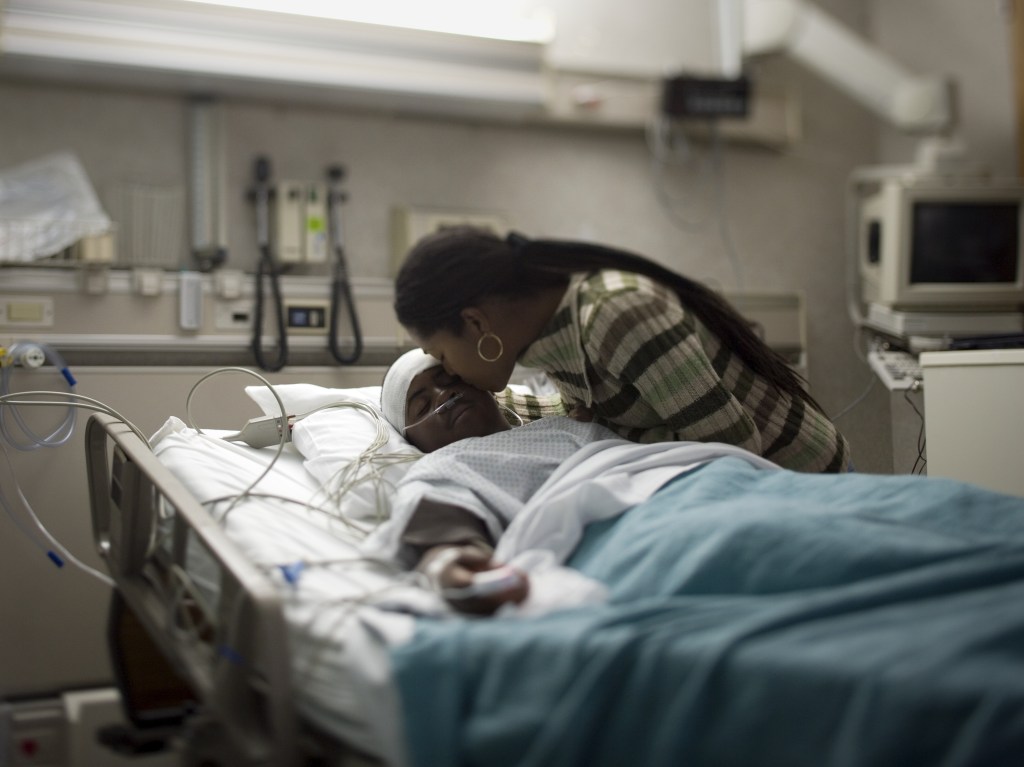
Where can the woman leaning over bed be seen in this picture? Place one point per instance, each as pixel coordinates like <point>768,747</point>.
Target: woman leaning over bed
<point>647,352</point>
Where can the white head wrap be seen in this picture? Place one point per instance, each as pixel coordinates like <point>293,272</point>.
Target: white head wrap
<point>395,388</point>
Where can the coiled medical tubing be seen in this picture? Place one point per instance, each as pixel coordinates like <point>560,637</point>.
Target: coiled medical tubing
<point>32,355</point>
<point>29,354</point>
<point>266,270</point>
<point>341,288</point>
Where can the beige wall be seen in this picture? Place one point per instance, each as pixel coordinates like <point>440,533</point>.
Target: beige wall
<point>784,209</point>
<point>968,40</point>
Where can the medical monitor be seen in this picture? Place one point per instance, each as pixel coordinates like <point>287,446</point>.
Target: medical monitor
<point>942,245</point>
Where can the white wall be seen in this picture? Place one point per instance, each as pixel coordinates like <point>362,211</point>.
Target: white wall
<point>968,41</point>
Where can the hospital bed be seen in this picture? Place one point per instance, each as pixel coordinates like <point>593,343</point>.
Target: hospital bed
<point>745,616</point>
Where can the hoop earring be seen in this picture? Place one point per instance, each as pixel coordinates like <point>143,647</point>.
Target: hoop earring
<point>512,413</point>
<point>480,344</point>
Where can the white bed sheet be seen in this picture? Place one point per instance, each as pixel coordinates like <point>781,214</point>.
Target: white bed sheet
<point>335,604</point>
<point>344,613</point>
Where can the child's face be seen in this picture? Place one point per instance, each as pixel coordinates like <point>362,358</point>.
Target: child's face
<point>474,414</point>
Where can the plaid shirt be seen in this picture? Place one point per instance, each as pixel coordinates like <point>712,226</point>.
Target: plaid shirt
<point>623,346</point>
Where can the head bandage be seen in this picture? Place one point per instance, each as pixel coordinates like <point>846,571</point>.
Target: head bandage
<point>395,388</point>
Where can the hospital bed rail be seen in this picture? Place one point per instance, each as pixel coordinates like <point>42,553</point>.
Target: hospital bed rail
<point>230,643</point>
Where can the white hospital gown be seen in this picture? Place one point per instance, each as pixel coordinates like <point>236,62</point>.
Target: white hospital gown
<point>493,477</point>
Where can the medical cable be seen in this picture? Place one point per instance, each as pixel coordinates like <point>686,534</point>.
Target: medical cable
<point>860,398</point>
<point>30,354</point>
<point>368,466</point>
<point>671,148</point>
<point>722,204</point>
<point>266,271</point>
<point>53,557</point>
<point>920,463</point>
<point>284,437</point>
<point>69,399</point>
<point>58,554</point>
<point>307,505</point>
<point>668,148</point>
<point>341,287</point>
<point>62,555</point>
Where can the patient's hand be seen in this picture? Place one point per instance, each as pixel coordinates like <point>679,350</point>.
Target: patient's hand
<point>471,581</point>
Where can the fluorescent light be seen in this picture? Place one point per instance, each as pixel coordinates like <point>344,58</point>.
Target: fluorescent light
<point>231,46</point>
<point>508,20</point>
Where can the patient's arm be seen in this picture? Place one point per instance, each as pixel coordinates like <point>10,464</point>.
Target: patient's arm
<point>454,546</point>
<point>436,524</point>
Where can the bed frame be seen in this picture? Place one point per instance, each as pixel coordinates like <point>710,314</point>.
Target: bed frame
<point>232,649</point>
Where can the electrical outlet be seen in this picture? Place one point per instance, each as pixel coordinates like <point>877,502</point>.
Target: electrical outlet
<point>38,734</point>
<point>307,316</point>
<point>233,315</point>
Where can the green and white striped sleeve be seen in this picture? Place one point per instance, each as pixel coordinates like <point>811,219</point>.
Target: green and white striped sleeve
<point>651,349</point>
<point>531,407</point>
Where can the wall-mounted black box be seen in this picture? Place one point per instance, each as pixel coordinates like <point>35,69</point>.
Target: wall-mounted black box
<point>705,97</point>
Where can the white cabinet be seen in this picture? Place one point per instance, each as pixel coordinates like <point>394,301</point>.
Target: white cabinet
<point>974,417</point>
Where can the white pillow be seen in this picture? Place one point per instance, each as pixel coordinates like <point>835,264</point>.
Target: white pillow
<point>331,440</point>
<point>302,398</point>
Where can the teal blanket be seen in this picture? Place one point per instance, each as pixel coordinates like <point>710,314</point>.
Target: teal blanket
<point>756,618</point>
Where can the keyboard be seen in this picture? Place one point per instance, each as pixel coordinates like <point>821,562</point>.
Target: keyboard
<point>898,370</point>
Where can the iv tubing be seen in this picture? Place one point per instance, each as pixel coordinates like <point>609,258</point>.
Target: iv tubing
<point>62,433</point>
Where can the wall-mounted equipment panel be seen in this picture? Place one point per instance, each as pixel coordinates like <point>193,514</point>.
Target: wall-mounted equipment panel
<point>183,318</point>
<point>409,224</point>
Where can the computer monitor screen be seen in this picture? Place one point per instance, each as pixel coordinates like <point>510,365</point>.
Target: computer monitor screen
<point>940,244</point>
<point>957,243</point>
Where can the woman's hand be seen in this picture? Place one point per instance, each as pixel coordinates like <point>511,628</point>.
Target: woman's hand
<point>471,581</point>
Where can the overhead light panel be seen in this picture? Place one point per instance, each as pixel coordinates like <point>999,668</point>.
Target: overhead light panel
<point>218,46</point>
<point>508,20</point>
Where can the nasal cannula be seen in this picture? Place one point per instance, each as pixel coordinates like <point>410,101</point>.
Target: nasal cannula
<point>446,405</point>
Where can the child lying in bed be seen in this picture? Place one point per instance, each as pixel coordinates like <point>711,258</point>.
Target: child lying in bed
<point>453,505</point>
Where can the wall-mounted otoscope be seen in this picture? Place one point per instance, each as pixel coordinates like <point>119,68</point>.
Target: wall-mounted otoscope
<point>266,272</point>
<point>341,286</point>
